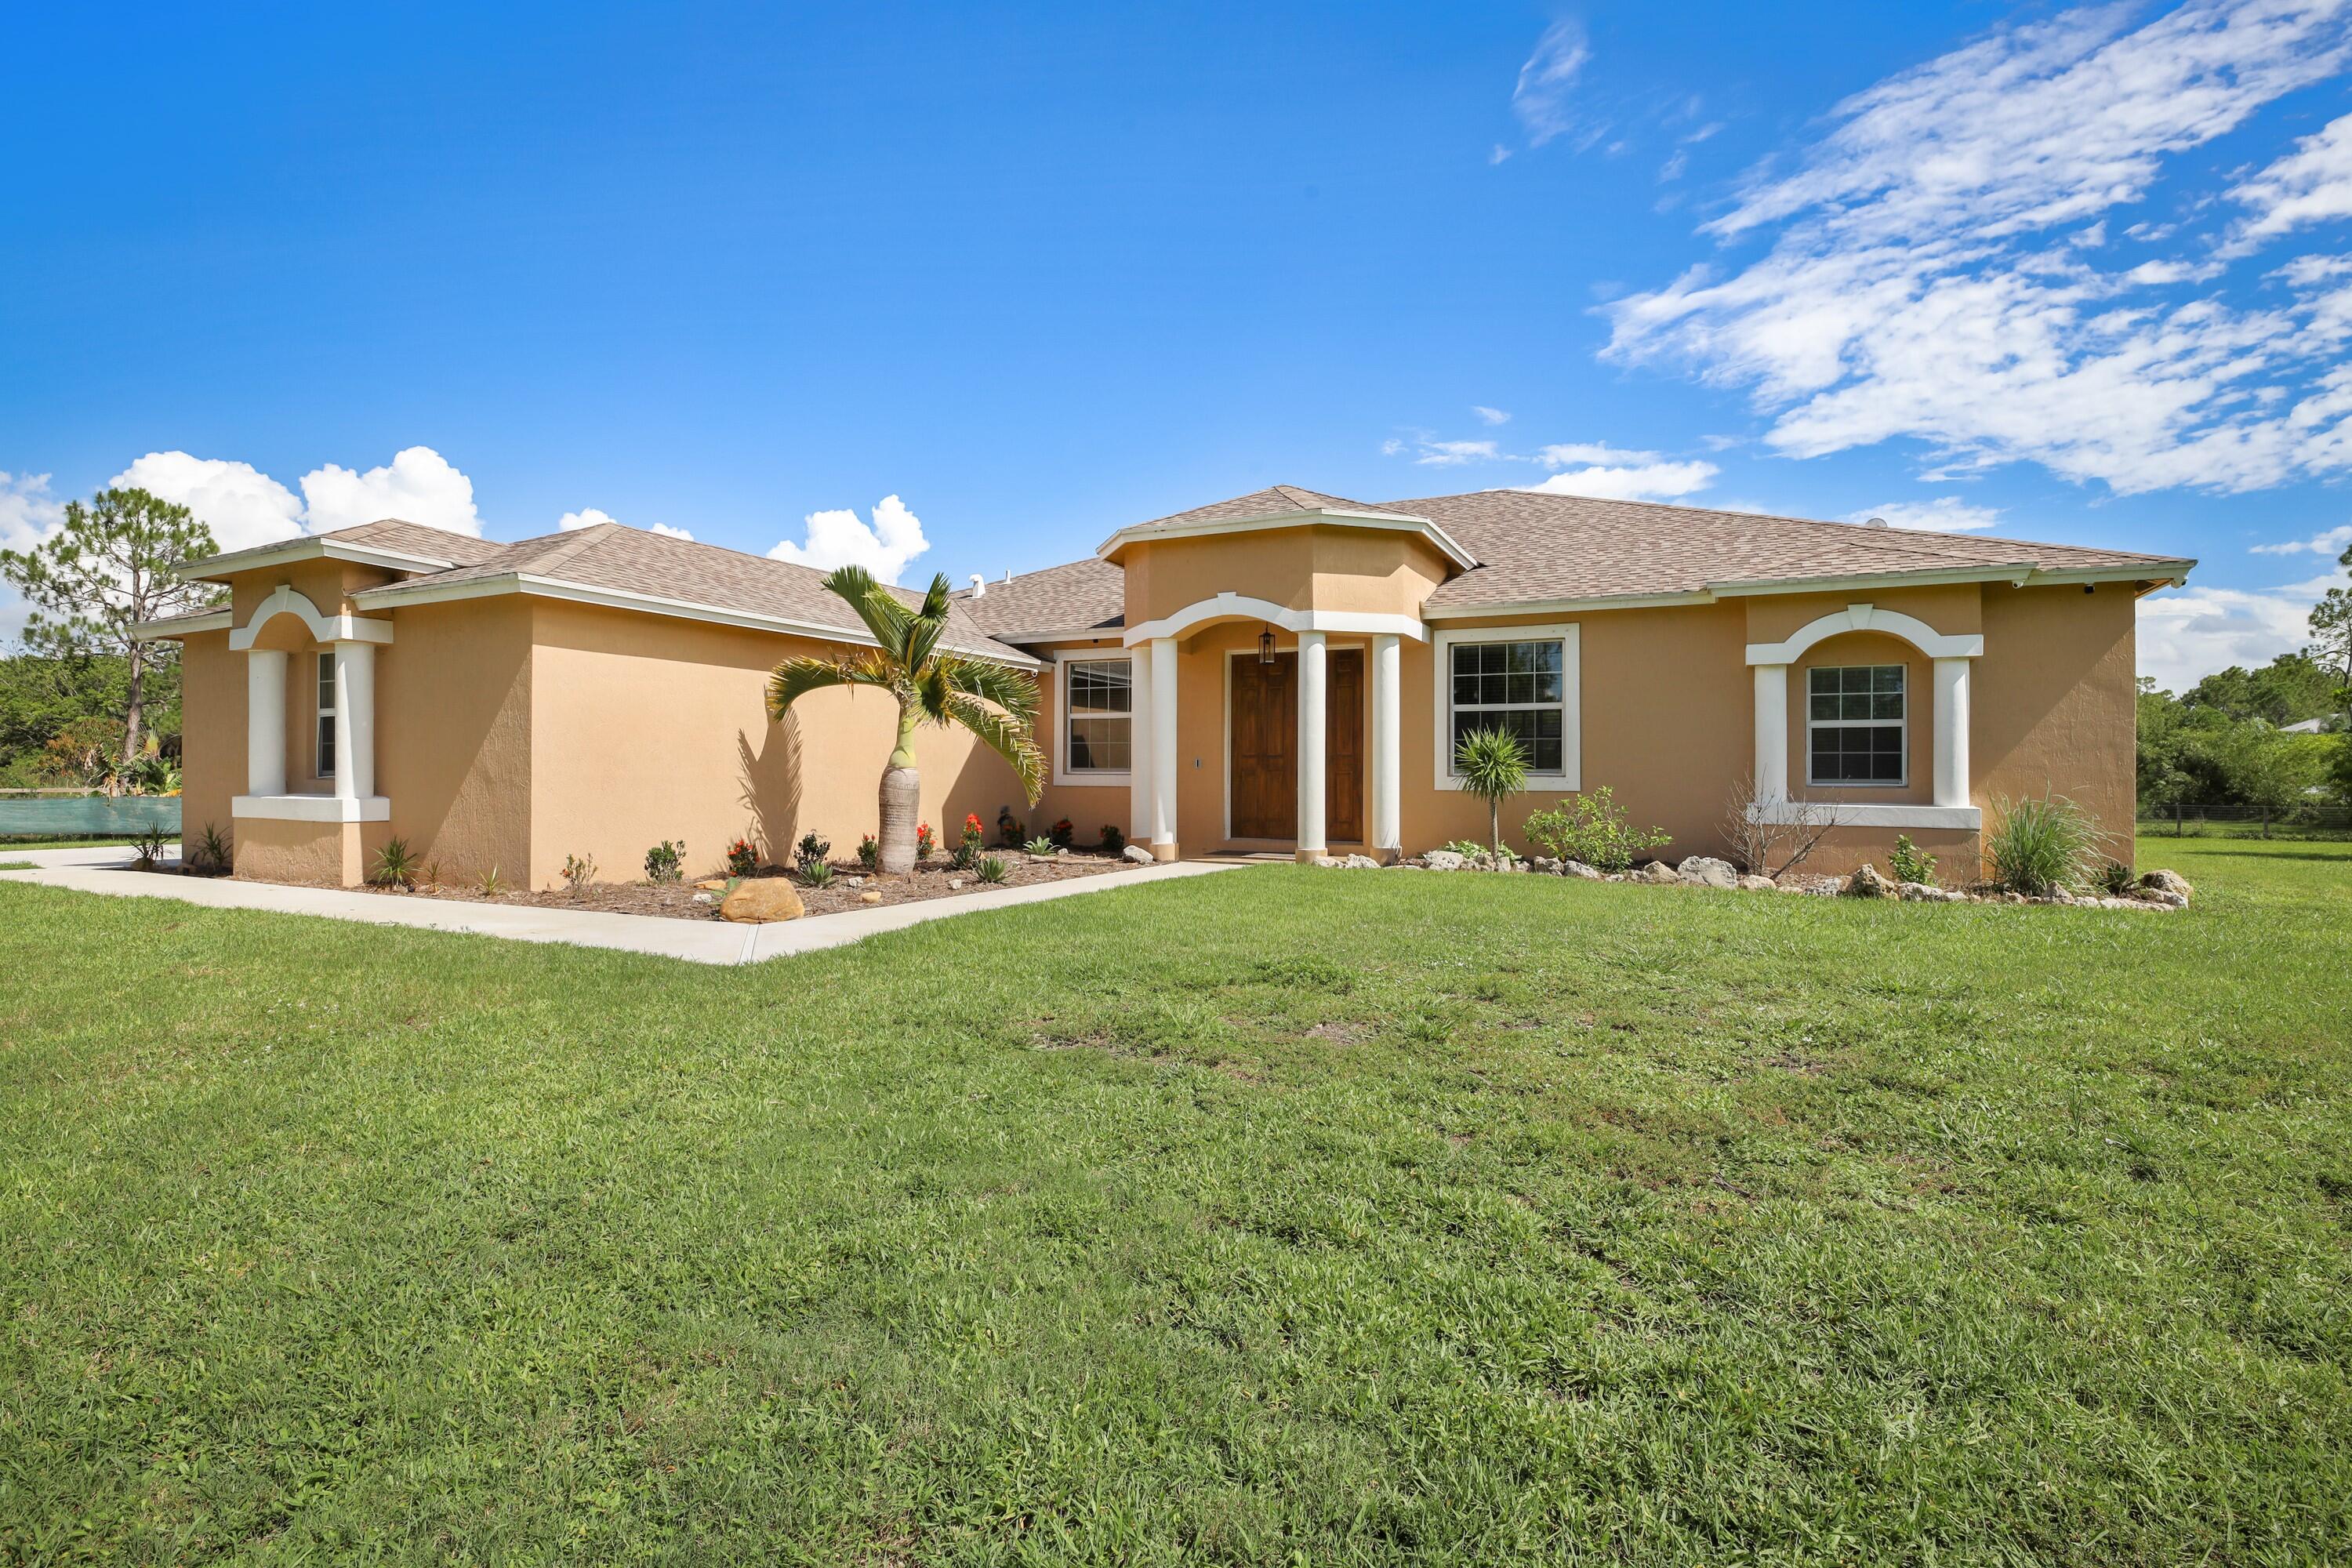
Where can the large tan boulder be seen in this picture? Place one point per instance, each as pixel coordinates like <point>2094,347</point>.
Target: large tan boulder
<point>2168,882</point>
<point>1866,883</point>
<point>1706,871</point>
<point>762,901</point>
<point>1656,872</point>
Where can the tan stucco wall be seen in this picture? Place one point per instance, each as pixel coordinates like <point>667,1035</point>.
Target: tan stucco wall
<point>326,854</point>
<point>1373,571</point>
<point>1089,807</point>
<point>212,736</point>
<point>646,728</point>
<point>453,735</point>
<point>2055,703</point>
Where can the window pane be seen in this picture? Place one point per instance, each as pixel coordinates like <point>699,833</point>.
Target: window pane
<point>1099,745</point>
<point>1101,686</point>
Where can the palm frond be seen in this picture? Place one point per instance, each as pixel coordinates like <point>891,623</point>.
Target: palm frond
<point>796,677</point>
<point>935,598</point>
<point>1008,736</point>
<point>933,689</point>
<point>1014,690</point>
<point>875,605</point>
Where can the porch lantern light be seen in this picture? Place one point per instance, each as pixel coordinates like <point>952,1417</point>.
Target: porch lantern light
<point>1265,646</point>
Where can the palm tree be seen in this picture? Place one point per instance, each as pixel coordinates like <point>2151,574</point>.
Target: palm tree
<point>1492,766</point>
<point>995,701</point>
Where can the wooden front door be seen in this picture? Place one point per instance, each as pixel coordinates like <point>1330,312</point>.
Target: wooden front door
<point>1265,747</point>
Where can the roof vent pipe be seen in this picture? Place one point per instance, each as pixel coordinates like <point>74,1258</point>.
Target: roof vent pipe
<point>1008,573</point>
<point>979,586</point>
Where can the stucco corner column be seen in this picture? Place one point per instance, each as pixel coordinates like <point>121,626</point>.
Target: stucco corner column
<point>1138,765</point>
<point>1952,732</point>
<point>265,722</point>
<point>1771,779</point>
<point>1388,762</point>
<point>354,720</point>
<point>1312,703</point>
<point>1164,748</point>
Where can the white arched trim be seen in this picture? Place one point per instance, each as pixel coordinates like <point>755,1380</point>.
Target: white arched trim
<point>285,600</point>
<point>1240,606</point>
<point>1869,618</point>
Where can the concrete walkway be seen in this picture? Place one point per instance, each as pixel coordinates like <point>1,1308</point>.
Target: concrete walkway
<point>108,870</point>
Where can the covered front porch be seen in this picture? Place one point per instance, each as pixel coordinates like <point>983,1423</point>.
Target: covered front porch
<point>309,742</point>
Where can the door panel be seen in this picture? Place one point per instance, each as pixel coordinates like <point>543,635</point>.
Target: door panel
<point>1265,741</point>
<point>1343,746</point>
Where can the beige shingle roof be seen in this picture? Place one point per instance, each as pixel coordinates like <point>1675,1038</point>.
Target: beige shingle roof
<point>609,556</point>
<point>1085,595</point>
<point>417,539</point>
<point>1272,501</point>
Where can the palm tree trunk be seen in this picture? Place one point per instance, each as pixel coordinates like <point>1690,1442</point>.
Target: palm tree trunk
<point>1495,827</point>
<point>902,796</point>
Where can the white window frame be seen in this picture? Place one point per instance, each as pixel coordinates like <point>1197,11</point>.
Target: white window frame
<point>324,740</point>
<point>1065,776</point>
<point>1902,724</point>
<point>1572,699</point>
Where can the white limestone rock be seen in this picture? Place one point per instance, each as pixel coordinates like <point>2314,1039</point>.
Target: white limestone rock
<point>1706,871</point>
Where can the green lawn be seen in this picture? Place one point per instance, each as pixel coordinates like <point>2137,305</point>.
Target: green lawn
<point>1277,1217</point>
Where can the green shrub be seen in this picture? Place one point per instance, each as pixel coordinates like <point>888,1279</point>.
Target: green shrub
<point>1114,839</point>
<point>1593,828</point>
<point>2036,845</point>
<point>212,850</point>
<point>149,844</point>
<point>992,869</point>
<point>742,858</point>
<point>1039,846</point>
<point>811,851</point>
<point>1909,864</point>
<point>666,862</point>
<point>395,866</point>
<point>869,853</point>
<point>2117,879</point>
<point>817,873</point>
<point>579,870</point>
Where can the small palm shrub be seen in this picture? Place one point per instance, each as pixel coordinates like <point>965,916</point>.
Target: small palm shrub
<point>212,851</point>
<point>1039,846</point>
<point>396,866</point>
<point>149,847</point>
<point>1593,828</point>
<point>2117,879</point>
<point>2037,846</point>
<point>742,859</point>
<point>1909,864</point>
<point>489,884</point>
<point>1114,839</point>
<point>666,861</point>
<point>579,870</point>
<point>869,853</point>
<point>817,873</point>
<point>811,850</point>
<point>1492,766</point>
<point>992,869</point>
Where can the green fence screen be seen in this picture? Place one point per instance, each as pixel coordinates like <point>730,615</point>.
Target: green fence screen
<point>88,816</point>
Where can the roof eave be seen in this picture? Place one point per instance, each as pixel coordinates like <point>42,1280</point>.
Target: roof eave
<point>213,568</point>
<point>181,625</point>
<point>1303,518</point>
<point>2024,574</point>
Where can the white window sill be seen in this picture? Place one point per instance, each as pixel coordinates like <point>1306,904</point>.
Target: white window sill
<point>312,808</point>
<point>1086,780</point>
<point>1851,815</point>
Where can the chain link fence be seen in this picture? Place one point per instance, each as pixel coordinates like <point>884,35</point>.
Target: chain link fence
<point>2189,821</point>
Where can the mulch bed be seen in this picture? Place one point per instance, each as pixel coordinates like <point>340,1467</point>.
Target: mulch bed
<point>678,901</point>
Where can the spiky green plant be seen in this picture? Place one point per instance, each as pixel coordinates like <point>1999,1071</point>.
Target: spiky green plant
<point>1492,766</point>
<point>212,850</point>
<point>396,866</point>
<point>995,701</point>
<point>817,873</point>
<point>1039,846</point>
<point>992,869</point>
<point>2036,845</point>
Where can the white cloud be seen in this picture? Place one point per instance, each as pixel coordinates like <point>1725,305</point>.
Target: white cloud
<point>1945,514</point>
<point>839,538</point>
<point>243,506</point>
<point>1645,482</point>
<point>29,514</point>
<point>1497,155</point>
<point>2334,541</point>
<point>2311,184</point>
<point>589,517</point>
<point>1568,454</point>
<point>1452,454</point>
<point>1672,169</point>
<point>1918,284</point>
<point>1490,415</point>
<point>666,532</point>
<point>1541,96</point>
<point>2187,633</point>
<point>418,486</point>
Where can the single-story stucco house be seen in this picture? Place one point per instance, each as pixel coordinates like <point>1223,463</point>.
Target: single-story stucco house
<point>1286,670</point>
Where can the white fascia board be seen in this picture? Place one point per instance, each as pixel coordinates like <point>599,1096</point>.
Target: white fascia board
<point>392,596</point>
<point>1078,633</point>
<point>181,625</point>
<point>1790,812</point>
<point>212,567</point>
<point>2015,573</point>
<point>2163,575</point>
<point>1145,533</point>
<point>1564,606</point>
<point>310,808</point>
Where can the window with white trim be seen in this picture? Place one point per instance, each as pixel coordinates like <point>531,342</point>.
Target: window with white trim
<point>1855,730</point>
<point>1097,715</point>
<point>326,716</point>
<point>1517,686</point>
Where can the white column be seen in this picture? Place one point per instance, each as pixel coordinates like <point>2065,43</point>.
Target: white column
<point>1771,733</point>
<point>1952,731</point>
<point>354,720</point>
<point>1388,762</point>
<point>265,722</point>
<point>1311,722</point>
<point>1164,748</point>
<point>1138,767</point>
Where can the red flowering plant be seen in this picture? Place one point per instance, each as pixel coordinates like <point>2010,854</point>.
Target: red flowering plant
<point>869,853</point>
<point>968,852</point>
<point>742,860</point>
<point>1061,832</point>
<point>923,839</point>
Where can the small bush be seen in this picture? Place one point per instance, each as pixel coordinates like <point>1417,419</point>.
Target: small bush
<point>1061,832</point>
<point>1114,839</point>
<point>395,866</point>
<point>2036,845</point>
<point>992,869</point>
<point>742,860</point>
<point>212,850</point>
<point>966,854</point>
<point>924,841</point>
<point>1039,846</point>
<point>811,851</point>
<point>150,845</point>
<point>1909,864</point>
<point>816,873</point>
<point>1009,831</point>
<point>2117,879</point>
<point>869,853</point>
<point>489,884</point>
<point>1468,848</point>
<point>1593,828</point>
<point>579,870</point>
<point>666,862</point>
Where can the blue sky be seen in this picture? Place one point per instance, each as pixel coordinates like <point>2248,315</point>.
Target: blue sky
<point>2072,274</point>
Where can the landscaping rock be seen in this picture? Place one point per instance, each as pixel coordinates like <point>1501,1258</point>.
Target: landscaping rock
<point>2168,882</point>
<point>1138,853</point>
<point>705,898</point>
<point>1579,869</point>
<point>1360,863</point>
<point>2169,900</point>
<point>1790,887</point>
<point>871,896</point>
<point>712,887</point>
<point>1656,872</point>
<point>1706,871</point>
<point>1329,862</point>
<point>955,884</point>
<point>1866,883</point>
<point>1755,884</point>
<point>762,902</point>
<point>1444,860</point>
